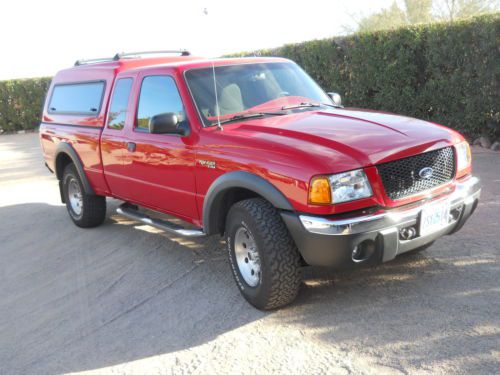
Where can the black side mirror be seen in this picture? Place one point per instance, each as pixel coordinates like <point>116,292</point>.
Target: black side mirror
<point>336,98</point>
<point>165,123</point>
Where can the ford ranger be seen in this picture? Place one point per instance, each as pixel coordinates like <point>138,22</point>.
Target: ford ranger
<point>254,150</point>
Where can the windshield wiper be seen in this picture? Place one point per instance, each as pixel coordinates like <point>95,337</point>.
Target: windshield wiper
<point>308,105</point>
<point>249,115</point>
<point>284,108</point>
<point>300,105</point>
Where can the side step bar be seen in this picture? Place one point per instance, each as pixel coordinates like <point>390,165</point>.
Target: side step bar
<point>128,211</point>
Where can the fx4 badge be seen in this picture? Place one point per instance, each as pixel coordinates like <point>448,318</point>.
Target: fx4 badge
<point>207,163</point>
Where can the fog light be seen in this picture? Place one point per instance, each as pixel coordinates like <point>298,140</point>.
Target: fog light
<point>407,233</point>
<point>363,251</point>
<point>455,214</point>
<point>356,252</point>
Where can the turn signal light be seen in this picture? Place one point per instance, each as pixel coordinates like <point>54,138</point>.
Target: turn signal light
<point>320,191</point>
<point>463,158</point>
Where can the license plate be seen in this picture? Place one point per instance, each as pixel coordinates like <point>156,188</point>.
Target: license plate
<point>434,217</point>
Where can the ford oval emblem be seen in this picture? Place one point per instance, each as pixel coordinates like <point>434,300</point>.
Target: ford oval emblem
<point>426,172</point>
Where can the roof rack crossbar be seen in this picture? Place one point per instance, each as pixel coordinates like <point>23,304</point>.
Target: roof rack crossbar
<point>93,61</point>
<point>122,55</point>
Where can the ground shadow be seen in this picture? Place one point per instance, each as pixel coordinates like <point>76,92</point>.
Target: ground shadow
<point>75,299</point>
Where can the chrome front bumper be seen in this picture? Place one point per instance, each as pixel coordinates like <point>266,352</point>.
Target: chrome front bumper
<point>384,228</point>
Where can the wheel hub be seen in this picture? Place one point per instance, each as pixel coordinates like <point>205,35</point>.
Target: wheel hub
<point>75,197</point>
<point>247,256</point>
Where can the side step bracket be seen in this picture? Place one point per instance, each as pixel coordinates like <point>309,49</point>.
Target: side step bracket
<point>129,211</point>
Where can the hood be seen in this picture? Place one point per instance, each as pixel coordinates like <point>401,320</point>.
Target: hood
<point>368,137</point>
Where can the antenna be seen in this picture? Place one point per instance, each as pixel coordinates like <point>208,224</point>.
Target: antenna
<point>216,99</point>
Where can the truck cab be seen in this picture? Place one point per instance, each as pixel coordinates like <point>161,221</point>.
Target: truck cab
<point>254,150</point>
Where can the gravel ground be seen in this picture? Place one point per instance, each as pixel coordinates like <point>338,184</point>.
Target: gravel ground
<point>125,298</point>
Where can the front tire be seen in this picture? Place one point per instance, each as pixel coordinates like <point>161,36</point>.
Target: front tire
<point>264,258</point>
<point>86,210</point>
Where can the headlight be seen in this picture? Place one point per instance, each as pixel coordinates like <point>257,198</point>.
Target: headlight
<point>350,186</point>
<point>463,157</point>
<point>338,188</point>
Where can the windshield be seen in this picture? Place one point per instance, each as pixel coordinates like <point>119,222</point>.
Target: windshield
<point>249,88</point>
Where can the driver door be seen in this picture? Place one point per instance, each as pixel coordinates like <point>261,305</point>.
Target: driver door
<point>160,167</point>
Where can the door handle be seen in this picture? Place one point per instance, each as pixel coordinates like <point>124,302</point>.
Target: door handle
<point>131,146</point>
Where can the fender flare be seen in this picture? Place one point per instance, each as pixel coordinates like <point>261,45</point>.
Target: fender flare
<point>68,150</point>
<point>238,179</point>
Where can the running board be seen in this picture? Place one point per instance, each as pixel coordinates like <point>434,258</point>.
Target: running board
<point>127,211</point>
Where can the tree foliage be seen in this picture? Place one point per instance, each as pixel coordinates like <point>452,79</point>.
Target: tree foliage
<point>418,11</point>
<point>411,12</point>
<point>390,18</point>
<point>451,10</point>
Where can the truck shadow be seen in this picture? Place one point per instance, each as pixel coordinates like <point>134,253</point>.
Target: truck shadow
<point>75,299</point>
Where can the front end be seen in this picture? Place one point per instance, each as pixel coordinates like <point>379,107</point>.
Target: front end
<point>426,196</point>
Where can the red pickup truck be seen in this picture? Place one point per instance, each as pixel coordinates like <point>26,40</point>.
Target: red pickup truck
<point>254,150</point>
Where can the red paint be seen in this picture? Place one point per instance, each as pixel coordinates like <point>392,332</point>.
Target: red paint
<point>286,150</point>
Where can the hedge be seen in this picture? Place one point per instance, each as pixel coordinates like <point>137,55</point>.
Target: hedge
<point>21,102</point>
<point>446,73</point>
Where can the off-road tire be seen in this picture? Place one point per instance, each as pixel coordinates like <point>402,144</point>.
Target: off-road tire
<point>280,275</point>
<point>93,207</point>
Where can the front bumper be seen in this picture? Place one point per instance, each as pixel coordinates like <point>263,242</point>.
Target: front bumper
<point>330,241</point>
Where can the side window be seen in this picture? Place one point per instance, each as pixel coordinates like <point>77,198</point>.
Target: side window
<point>119,102</point>
<point>77,98</point>
<point>159,94</point>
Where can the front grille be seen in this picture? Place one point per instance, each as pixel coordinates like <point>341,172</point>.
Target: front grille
<point>401,177</point>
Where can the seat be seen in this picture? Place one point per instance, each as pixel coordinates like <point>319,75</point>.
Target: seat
<point>231,100</point>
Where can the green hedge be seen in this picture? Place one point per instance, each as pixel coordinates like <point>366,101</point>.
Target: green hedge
<point>21,102</point>
<point>447,73</point>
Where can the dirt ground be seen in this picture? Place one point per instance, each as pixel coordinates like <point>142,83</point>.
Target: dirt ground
<point>126,298</point>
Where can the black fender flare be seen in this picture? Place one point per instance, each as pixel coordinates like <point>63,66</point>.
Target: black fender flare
<point>68,150</point>
<point>238,179</point>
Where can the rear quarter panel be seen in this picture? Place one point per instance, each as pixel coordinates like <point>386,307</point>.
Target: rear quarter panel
<point>85,141</point>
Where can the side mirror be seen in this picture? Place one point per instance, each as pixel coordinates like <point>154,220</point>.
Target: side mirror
<point>336,98</point>
<point>165,123</point>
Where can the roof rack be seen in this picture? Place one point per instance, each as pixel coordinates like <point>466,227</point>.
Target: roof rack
<point>128,55</point>
<point>93,61</point>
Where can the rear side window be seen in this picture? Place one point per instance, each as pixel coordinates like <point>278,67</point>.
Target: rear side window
<point>119,102</point>
<point>77,98</point>
<point>159,94</point>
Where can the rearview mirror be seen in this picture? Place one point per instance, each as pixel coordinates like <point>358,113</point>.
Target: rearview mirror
<point>165,123</point>
<point>336,98</point>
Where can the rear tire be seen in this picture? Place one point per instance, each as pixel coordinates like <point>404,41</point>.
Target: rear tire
<point>86,210</point>
<point>264,258</point>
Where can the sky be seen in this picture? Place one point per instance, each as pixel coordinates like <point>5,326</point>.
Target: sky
<point>40,37</point>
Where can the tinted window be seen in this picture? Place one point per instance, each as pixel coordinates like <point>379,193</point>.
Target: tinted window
<point>78,98</point>
<point>159,94</point>
<point>119,102</point>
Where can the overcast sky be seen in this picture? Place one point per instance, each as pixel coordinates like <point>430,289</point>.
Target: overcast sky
<point>39,37</point>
